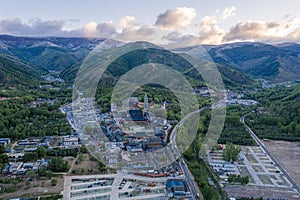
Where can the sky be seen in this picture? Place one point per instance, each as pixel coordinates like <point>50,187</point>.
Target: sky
<point>174,22</point>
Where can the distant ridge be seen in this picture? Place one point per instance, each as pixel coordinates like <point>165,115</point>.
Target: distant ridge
<point>273,62</point>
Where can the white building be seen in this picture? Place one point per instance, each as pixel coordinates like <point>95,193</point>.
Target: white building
<point>70,142</point>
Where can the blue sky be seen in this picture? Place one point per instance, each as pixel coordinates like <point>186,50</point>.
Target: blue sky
<point>92,18</point>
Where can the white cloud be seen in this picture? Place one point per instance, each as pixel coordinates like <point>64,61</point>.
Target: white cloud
<point>264,31</point>
<point>90,29</point>
<point>179,17</point>
<point>38,27</point>
<point>230,11</point>
<point>167,28</point>
<point>143,33</point>
<point>210,32</point>
<point>106,29</point>
<point>176,39</point>
<point>295,34</point>
<point>35,27</point>
<point>127,22</point>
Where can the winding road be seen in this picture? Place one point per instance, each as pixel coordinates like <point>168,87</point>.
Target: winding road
<point>276,163</point>
<point>189,177</point>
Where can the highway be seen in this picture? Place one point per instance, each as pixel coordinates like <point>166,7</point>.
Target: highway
<point>189,178</point>
<point>276,163</point>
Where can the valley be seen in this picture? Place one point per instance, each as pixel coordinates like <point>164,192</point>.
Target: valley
<point>36,85</point>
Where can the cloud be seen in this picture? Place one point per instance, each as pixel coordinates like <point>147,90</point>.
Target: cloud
<point>167,28</point>
<point>230,11</point>
<point>264,31</point>
<point>179,17</point>
<point>295,34</point>
<point>38,27</point>
<point>127,22</point>
<point>173,36</point>
<point>90,29</point>
<point>35,27</point>
<point>106,29</point>
<point>210,32</point>
<point>176,39</point>
<point>131,31</point>
<point>101,30</point>
<point>143,33</point>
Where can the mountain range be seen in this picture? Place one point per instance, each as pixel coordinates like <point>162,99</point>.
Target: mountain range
<point>276,63</point>
<point>239,63</point>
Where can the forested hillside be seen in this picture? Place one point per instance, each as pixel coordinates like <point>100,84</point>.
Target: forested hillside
<point>279,117</point>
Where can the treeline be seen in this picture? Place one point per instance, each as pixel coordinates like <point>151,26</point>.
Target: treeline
<point>238,179</point>
<point>279,115</point>
<point>18,120</point>
<point>3,157</point>
<point>234,131</point>
<point>197,166</point>
<point>155,93</point>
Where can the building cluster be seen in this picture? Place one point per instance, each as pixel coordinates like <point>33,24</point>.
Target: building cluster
<point>222,168</point>
<point>17,151</point>
<point>233,98</point>
<point>52,79</point>
<point>205,92</point>
<point>177,189</point>
<point>20,168</point>
<point>70,142</point>
<point>137,129</point>
<point>41,101</point>
<point>4,141</point>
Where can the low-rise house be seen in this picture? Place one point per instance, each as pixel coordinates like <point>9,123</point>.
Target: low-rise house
<point>15,167</point>
<point>70,142</point>
<point>28,144</point>
<point>30,149</point>
<point>176,188</point>
<point>36,166</point>
<point>4,141</point>
<point>21,171</point>
<point>28,165</point>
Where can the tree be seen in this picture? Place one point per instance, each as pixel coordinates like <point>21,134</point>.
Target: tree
<point>42,170</point>
<point>4,158</point>
<point>54,182</point>
<point>41,152</point>
<point>30,156</point>
<point>231,152</point>
<point>2,149</point>
<point>58,165</point>
<point>49,175</point>
<point>232,178</point>
<point>30,174</point>
<point>245,180</point>
<point>83,149</point>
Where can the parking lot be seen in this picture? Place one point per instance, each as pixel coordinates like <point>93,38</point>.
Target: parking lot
<point>257,165</point>
<point>114,186</point>
<point>265,179</point>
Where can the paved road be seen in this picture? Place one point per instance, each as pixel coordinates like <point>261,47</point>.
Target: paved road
<point>184,167</point>
<point>276,163</point>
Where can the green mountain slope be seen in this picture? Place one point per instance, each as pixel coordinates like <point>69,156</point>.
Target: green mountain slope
<point>232,77</point>
<point>280,118</point>
<point>14,72</point>
<point>51,53</point>
<point>276,63</point>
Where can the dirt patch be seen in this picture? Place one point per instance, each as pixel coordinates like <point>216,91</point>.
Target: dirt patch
<point>288,154</point>
<point>265,179</point>
<point>85,165</point>
<point>257,168</point>
<point>36,187</point>
<point>251,158</point>
<point>258,192</point>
